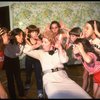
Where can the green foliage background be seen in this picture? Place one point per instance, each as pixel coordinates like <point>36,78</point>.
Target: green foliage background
<point>41,13</point>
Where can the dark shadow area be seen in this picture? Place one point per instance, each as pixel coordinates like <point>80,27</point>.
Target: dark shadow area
<point>5,17</point>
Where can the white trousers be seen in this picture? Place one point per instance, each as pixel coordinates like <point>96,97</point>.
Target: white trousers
<point>58,85</point>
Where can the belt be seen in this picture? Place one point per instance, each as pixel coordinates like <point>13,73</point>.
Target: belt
<point>52,70</point>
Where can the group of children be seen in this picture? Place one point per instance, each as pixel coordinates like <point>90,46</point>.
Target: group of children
<point>48,52</point>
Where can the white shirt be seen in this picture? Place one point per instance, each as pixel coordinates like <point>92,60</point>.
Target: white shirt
<point>48,61</point>
<point>57,84</point>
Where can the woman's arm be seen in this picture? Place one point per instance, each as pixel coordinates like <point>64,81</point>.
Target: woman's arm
<point>38,44</point>
<point>3,94</point>
<point>84,55</point>
<point>29,50</point>
<point>62,53</point>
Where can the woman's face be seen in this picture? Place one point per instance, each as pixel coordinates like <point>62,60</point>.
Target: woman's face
<point>5,38</point>
<point>76,52</point>
<point>46,44</point>
<point>88,31</point>
<point>19,37</point>
<point>73,38</point>
<point>34,35</point>
<point>54,28</point>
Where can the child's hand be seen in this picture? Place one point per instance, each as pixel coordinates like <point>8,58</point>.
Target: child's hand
<point>58,45</point>
<point>63,26</point>
<point>82,35</point>
<point>47,27</point>
<point>80,47</point>
<point>75,49</point>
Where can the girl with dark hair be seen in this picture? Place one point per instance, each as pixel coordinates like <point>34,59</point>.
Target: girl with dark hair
<point>75,33</point>
<point>58,28</point>
<point>12,62</point>
<point>85,52</point>
<point>30,63</point>
<point>90,31</point>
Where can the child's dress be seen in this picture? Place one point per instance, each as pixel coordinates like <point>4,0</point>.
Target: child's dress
<point>93,68</point>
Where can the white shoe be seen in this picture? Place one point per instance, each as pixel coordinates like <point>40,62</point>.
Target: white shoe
<point>40,95</point>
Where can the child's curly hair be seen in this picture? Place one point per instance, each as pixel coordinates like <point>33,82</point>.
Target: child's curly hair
<point>50,36</point>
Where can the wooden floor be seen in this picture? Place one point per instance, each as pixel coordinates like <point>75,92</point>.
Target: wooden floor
<point>75,72</point>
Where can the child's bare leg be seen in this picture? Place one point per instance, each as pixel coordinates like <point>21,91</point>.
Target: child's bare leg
<point>96,91</point>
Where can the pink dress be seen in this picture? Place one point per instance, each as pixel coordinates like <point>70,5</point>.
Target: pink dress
<point>93,68</point>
